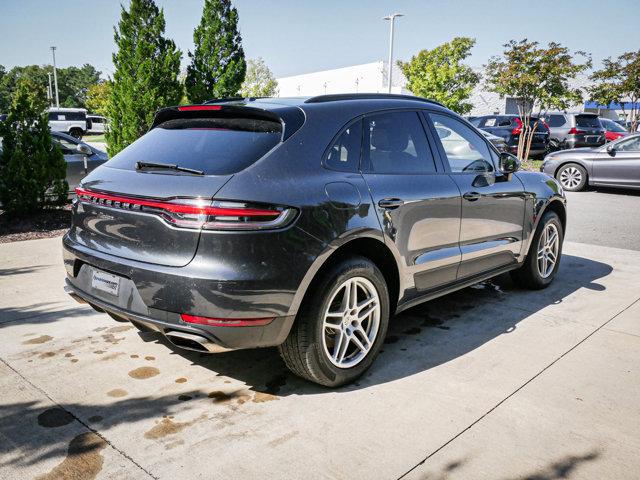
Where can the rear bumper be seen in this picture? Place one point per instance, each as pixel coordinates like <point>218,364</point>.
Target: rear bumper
<point>212,339</point>
<point>577,143</point>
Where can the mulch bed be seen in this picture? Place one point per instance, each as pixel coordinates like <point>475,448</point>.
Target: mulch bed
<point>51,222</point>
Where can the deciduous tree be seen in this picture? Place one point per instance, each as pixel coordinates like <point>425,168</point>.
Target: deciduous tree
<point>147,65</point>
<point>440,74</point>
<point>217,66</point>
<point>259,81</point>
<point>98,97</point>
<point>539,78</point>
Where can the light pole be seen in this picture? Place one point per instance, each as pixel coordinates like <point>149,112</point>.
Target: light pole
<point>55,76</point>
<point>50,91</point>
<point>391,17</point>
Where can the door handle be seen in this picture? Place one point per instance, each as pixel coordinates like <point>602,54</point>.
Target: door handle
<point>471,196</point>
<point>390,203</point>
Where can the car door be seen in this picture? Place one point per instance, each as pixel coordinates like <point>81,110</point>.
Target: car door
<point>620,165</point>
<point>417,204</point>
<point>491,229</point>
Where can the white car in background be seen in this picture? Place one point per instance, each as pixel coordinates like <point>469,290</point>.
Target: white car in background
<point>98,124</point>
<point>72,121</point>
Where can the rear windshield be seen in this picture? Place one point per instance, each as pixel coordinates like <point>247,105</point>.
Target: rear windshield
<point>216,146</point>
<point>587,121</point>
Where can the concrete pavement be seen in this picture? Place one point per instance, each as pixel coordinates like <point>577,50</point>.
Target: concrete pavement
<point>490,382</point>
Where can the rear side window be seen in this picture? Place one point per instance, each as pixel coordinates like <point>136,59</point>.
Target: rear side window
<point>587,121</point>
<point>216,146</point>
<point>396,144</point>
<point>344,154</point>
<point>556,121</point>
<point>505,122</point>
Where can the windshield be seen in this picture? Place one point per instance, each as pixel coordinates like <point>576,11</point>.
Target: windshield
<point>215,146</point>
<point>612,126</point>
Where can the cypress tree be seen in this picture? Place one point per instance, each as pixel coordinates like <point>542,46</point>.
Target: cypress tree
<point>147,66</point>
<point>32,170</point>
<point>217,66</point>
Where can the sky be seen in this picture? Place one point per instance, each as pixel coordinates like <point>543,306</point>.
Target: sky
<point>301,36</point>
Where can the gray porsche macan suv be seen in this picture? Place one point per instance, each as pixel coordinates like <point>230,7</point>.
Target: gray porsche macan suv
<point>304,223</point>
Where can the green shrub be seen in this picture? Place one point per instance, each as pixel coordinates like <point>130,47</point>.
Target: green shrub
<point>32,170</point>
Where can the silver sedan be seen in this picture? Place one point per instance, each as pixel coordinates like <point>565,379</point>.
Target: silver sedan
<point>616,164</point>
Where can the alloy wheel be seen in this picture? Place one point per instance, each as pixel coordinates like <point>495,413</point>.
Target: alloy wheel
<point>570,177</point>
<point>351,322</point>
<point>548,247</point>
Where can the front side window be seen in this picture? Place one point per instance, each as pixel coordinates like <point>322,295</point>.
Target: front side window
<point>556,121</point>
<point>631,145</point>
<point>466,151</point>
<point>396,144</point>
<point>344,154</point>
<point>66,146</point>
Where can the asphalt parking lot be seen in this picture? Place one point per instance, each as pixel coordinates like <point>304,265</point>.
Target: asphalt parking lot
<point>490,382</point>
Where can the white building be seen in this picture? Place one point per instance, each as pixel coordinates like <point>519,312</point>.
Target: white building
<point>365,78</point>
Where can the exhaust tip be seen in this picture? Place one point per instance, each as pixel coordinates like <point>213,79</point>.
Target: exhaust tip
<point>194,342</point>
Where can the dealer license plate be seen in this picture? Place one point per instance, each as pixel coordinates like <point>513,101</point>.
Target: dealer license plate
<point>105,282</point>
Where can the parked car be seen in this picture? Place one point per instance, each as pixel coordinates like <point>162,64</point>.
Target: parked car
<point>72,121</point>
<point>613,130</point>
<point>498,142</point>
<point>304,223</point>
<point>75,153</point>
<point>574,130</point>
<point>98,124</point>
<point>509,128</point>
<point>616,164</point>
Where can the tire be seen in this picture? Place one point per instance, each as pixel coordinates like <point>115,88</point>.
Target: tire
<point>317,352</point>
<point>529,275</point>
<point>572,177</point>
<point>76,133</point>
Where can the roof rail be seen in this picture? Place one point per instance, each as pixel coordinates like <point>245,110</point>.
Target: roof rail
<point>367,96</point>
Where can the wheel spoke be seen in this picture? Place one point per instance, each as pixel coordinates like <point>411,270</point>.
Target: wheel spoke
<point>356,341</point>
<point>365,337</point>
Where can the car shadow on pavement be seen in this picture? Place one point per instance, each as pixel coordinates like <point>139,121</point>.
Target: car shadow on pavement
<point>422,337</point>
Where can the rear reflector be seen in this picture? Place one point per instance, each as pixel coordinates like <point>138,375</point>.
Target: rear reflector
<point>226,322</point>
<point>191,108</point>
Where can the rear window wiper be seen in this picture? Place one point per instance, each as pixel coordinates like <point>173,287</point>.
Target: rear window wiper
<point>167,166</point>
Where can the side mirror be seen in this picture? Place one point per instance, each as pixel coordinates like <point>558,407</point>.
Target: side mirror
<point>84,149</point>
<point>611,149</point>
<point>509,163</point>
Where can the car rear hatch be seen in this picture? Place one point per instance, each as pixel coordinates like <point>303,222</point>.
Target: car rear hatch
<point>135,209</point>
<point>541,133</point>
<point>588,130</point>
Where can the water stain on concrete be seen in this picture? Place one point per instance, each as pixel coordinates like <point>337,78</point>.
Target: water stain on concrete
<point>121,328</point>
<point>175,444</point>
<point>111,338</point>
<point>99,329</point>
<point>74,360</point>
<point>412,331</point>
<point>181,380</point>
<point>54,417</point>
<point>283,438</point>
<point>260,397</point>
<point>38,340</point>
<point>143,373</point>
<point>117,393</point>
<point>111,356</point>
<point>240,396</point>
<point>68,355</point>
<point>149,358</point>
<point>47,355</point>
<point>99,352</point>
<point>83,461</point>
<point>167,426</point>
<point>134,356</point>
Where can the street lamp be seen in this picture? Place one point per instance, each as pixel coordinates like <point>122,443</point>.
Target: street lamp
<point>55,76</point>
<point>391,17</point>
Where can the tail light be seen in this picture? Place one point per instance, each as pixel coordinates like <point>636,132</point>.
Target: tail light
<point>575,131</point>
<point>198,213</point>
<point>226,322</point>
<point>545,125</point>
<point>518,129</point>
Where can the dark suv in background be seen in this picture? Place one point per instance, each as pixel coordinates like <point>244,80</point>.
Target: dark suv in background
<point>304,223</point>
<point>509,127</point>
<point>574,130</point>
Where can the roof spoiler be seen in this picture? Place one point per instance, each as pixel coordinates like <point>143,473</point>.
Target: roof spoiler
<point>291,119</point>
<point>367,96</point>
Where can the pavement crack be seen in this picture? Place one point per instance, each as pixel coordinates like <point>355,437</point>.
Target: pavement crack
<point>88,427</point>
<point>479,419</point>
